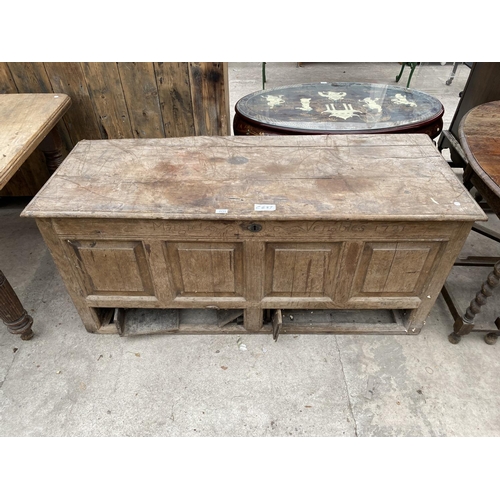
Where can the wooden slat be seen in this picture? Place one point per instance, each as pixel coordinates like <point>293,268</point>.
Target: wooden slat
<point>30,77</point>
<point>80,120</point>
<point>208,94</point>
<point>7,84</point>
<point>105,91</point>
<point>141,95</point>
<point>174,93</point>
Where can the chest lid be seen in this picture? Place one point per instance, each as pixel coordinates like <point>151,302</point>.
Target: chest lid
<point>349,177</point>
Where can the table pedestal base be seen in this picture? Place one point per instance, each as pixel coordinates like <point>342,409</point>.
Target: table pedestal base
<point>12,313</point>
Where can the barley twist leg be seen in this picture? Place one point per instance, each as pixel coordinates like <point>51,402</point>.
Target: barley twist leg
<point>464,325</point>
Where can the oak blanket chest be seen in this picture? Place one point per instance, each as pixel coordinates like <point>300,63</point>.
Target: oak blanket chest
<point>259,232</point>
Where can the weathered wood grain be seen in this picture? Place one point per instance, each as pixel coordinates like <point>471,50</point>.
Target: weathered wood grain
<point>81,120</point>
<point>301,269</point>
<point>223,262</point>
<point>30,77</point>
<point>209,97</point>
<point>346,180</point>
<point>141,95</point>
<point>231,230</point>
<point>105,91</point>
<point>7,84</point>
<point>174,93</point>
<point>111,267</point>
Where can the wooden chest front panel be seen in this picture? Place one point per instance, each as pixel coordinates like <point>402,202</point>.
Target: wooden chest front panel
<point>301,269</point>
<point>286,265</point>
<point>394,269</point>
<point>205,269</point>
<point>111,267</point>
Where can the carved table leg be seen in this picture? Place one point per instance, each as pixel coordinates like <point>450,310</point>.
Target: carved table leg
<point>51,147</point>
<point>464,325</point>
<point>12,313</point>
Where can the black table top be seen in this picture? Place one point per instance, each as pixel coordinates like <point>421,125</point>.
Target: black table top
<point>341,107</point>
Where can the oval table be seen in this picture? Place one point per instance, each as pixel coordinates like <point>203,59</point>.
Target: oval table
<point>479,134</point>
<point>338,108</point>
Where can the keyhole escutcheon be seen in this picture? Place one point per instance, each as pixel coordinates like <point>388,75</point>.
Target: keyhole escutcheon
<point>254,227</point>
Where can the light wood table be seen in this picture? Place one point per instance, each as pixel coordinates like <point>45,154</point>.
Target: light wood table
<point>479,134</point>
<point>26,122</point>
<point>257,228</point>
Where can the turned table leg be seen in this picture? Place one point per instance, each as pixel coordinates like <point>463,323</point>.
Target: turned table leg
<point>51,147</point>
<point>492,337</point>
<point>465,324</point>
<point>12,313</point>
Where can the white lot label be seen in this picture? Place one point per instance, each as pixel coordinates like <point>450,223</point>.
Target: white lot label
<point>264,208</point>
<point>221,210</point>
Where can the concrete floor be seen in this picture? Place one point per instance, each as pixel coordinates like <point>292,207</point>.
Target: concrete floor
<point>67,382</point>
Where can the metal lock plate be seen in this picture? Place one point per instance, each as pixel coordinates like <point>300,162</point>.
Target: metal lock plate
<point>254,227</point>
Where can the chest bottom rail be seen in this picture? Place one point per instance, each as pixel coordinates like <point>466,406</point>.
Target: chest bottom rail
<point>135,321</point>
